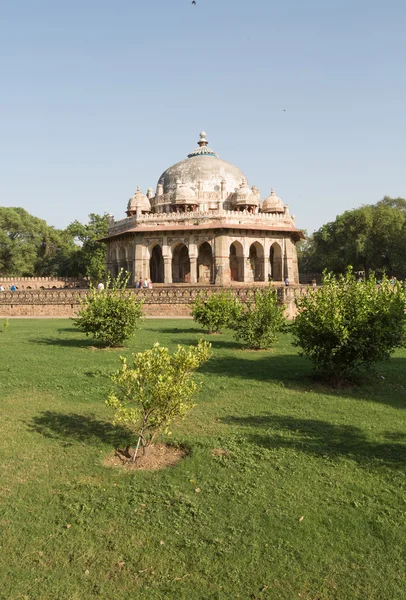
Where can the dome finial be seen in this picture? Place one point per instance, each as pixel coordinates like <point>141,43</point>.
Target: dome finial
<point>203,149</point>
<point>202,141</point>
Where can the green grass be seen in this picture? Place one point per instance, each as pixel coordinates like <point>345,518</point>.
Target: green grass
<point>295,449</point>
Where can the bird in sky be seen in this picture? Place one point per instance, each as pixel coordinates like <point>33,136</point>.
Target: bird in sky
<point>194,2</point>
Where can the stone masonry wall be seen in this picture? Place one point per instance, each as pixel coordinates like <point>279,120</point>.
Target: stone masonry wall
<point>164,301</point>
<point>42,283</point>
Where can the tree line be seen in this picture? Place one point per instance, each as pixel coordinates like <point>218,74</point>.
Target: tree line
<point>371,238</point>
<point>29,247</point>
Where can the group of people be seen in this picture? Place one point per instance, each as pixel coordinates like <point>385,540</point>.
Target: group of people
<point>144,283</point>
<point>13,288</point>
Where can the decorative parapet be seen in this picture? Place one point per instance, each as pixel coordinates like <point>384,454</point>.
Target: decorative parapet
<point>182,294</point>
<point>200,217</point>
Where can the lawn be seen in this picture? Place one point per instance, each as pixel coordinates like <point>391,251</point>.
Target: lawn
<point>307,503</point>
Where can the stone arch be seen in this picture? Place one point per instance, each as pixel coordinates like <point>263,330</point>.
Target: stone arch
<point>113,263</point>
<point>156,264</point>
<point>236,261</point>
<point>256,257</point>
<point>275,260</point>
<point>205,263</point>
<point>180,264</point>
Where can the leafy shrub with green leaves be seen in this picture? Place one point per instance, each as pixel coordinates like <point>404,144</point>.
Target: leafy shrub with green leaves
<point>215,311</point>
<point>4,326</point>
<point>348,324</point>
<point>112,315</point>
<point>259,321</point>
<point>156,390</point>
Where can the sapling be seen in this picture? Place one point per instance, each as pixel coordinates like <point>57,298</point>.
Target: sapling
<point>156,390</point>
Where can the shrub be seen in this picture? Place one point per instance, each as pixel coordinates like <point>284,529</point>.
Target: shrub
<point>157,390</point>
<point>4,326</point>
<point>348,324</point>
<point>214,312</point>
<point>112,315</point>
<point>259,321</point>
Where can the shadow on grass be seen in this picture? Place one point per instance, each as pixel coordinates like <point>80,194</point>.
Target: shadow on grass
<point>70,343</point>
<point>79,428</point>
<point>320,438</point>
<point>295,372</point>
<point>175,330</point>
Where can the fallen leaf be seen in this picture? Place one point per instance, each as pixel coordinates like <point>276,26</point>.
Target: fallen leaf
<point>197,490</point>
<point>301,519</point>
<point>68,526</point>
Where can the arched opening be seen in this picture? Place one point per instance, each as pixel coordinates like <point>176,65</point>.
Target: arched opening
<point>236,262</point>
<point>257,261</point>
<point>275,259</point>
<point>205,264</point>
<point>181,264</point>
<point>156,265</point>
<point>113,263</point>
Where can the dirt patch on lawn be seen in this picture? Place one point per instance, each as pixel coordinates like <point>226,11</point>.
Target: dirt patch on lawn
<point>158,456</point>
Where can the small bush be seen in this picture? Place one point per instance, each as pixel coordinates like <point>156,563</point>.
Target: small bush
<point>111,316</point>
<point>348,324</point>
<point>4,326</point>
<point>157,390</point>
<point>259,322</point>
<point>214,312</point>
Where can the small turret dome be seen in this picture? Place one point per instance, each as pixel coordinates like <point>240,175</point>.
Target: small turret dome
<point>138,200</point>
<point>272,204</point>
<point>244,196</point>
<point>184,194</point>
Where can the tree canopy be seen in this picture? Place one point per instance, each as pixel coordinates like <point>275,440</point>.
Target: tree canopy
<point>370,238</point>
<point>30,247</point>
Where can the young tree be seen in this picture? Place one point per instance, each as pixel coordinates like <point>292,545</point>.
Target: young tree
<point>348,324</point>
<point>214,312</point>
<point>112,315</point>
<point>259,321</point>
<point>156,390</point>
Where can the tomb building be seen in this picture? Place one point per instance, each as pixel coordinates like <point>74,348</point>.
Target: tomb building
<point>204,225</point>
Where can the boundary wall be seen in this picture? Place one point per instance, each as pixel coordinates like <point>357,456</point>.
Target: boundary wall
<point>163,301</point>
<point>42,283</point>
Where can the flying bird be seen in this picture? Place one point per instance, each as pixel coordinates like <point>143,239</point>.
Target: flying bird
<point>194,2</point>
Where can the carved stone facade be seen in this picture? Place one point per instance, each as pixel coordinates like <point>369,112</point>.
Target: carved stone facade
<point>203,226</point>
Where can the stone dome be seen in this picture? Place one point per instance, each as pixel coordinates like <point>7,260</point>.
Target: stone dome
<point>244,196</point>
<point>272,204</point>
<point>184,194</point>
<point>138,200</point>
<point>205,167</point>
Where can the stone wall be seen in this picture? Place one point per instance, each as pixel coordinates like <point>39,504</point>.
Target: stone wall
<point>163,301</point>
<point>42,283</point>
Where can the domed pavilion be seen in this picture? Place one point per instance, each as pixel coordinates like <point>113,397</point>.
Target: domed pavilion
<point>204,225</point>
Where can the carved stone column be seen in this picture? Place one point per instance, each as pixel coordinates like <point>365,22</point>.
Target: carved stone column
<point>248,273</point>
<point>222,274</point>
<point>193,269</point>
<point>167,269</point>
<point>138,263</point>
<point>266,268</point>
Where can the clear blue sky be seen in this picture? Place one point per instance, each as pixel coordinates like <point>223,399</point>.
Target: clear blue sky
<point>98,97</point>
